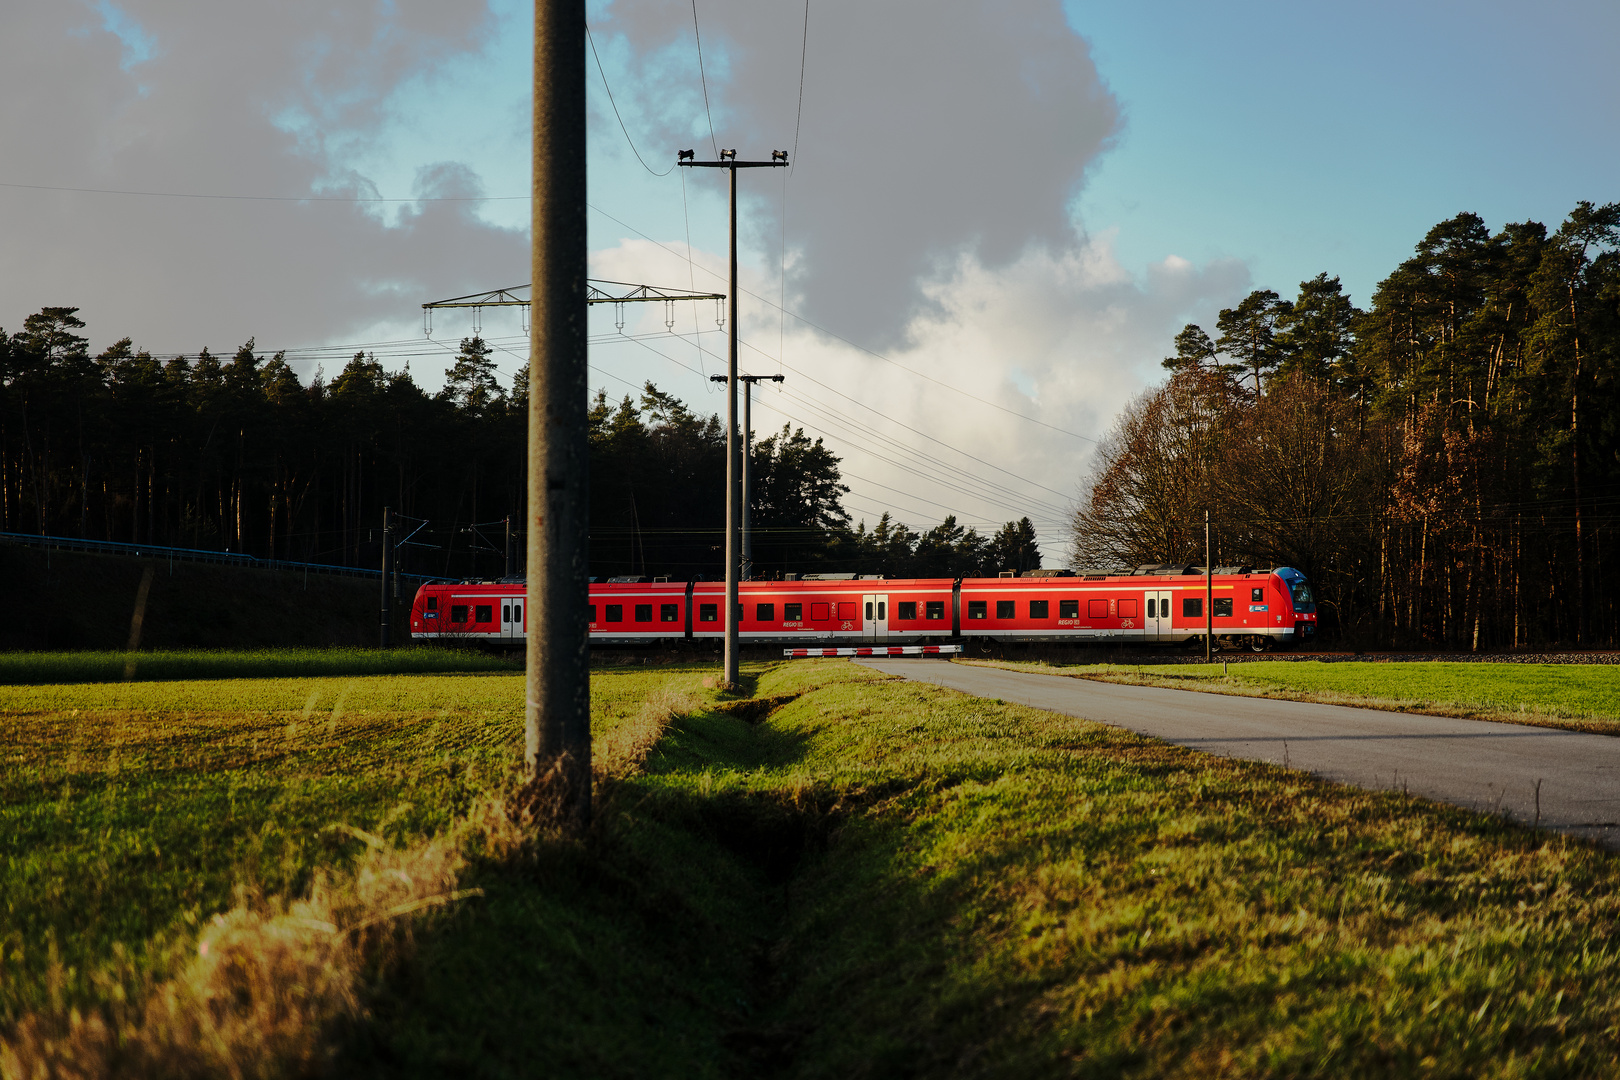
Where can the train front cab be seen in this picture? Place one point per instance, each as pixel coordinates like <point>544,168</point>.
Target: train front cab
<point>486,612</point>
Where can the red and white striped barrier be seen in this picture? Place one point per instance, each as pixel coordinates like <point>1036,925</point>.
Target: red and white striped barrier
<point>881,650</point>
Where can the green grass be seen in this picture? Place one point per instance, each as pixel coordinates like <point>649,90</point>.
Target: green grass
<point>888,879</point>
<point>130,811</point>
<point>44,668</point>
<point>875,879</point>
<point>1583,697</point>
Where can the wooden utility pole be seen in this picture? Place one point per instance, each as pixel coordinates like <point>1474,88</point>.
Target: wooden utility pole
<point>728,160</point>
<point>557,688</point>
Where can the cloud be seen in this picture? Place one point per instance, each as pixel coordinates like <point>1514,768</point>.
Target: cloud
<point>978,413</point>
<point>229,99</point>
<point>929,129</point>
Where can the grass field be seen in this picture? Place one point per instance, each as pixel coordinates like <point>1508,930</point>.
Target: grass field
<point>1582,697</point>
<point>47,668</point>
<point>834,874</point>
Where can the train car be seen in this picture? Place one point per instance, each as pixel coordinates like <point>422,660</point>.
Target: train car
<point>1253,609</point>
<point>639,612</point>
<point>829,611</point>
<point>483,612</point>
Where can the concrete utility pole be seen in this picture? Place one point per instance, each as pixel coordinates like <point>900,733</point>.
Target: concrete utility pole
<point>387,566</point>
<point>748,382</point>
<point>557,711</point>
<point>1209,597</point>
<point>728,160</point>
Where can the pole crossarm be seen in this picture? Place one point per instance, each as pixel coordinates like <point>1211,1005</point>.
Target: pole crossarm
<point>594,294</point>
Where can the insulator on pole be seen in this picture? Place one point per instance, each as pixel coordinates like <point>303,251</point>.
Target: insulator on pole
<point>669,315</point>
<point>618,317</point>
<point>427,321</point>
<point>720,314</point>
<point>478,320</point>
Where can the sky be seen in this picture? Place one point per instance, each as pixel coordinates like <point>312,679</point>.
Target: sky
<point>997,217</point>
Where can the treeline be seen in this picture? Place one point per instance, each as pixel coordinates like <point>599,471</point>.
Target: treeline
<point>238,454</point>
<point>1445,464</point>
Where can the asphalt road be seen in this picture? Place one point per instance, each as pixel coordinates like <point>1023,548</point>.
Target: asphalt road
<point>1470,763</point>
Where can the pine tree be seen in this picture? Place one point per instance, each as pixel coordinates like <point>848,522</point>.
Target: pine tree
<point>473,383</point>
<point>1248,333</point>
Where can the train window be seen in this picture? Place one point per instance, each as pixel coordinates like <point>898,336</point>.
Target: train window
<point>765,612</point>
<point>458,612</point>
<point>433,603</point>
<point>615,613</point>
<point>846,610</point>
<point>820,611</point>
<point>1192,607</point>
<point>869,609</point>
<point>976,609</point>
<point>506,613</point>
<point>793,612</point>
<point>1223,606</point>
<point>1068,609</point>
<point>739,614</point>
<point>1039,609</point>
<point>906,609</point>
<point>1128,609</point>
<point>643,613</point>
<point>1006,609</point>
<point>883,610</point>
<point>592,613</point>
<point>1257,595</point>
<point>1096,609</point>
<point>708,613</point>
<point>936,609</point>
<point>517,613</point>
<point>484,613</point>
<point>1153,608</point>
<point>669,613</point>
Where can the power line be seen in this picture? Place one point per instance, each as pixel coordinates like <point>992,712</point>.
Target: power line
<point>705,80</point>
<point>603,72</point>
<point>804,48</point>
<point>839,337</point>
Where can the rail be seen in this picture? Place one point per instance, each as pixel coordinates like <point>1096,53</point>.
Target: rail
<point>201,555</point>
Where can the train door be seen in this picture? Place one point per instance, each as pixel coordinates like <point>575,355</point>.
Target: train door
<point>1157,623</point>
<point>876,612</point>
<point>512,618</point>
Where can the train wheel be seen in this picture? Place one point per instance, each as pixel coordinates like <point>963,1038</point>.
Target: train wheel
<point>1259,644</point>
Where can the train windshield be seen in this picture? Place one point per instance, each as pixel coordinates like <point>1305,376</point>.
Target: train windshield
<point>1302,593</point>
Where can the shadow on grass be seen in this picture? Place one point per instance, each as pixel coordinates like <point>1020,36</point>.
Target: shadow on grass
<point>652,948</point>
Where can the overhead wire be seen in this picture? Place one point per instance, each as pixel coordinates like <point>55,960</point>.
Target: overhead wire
<point>704,78</point>
<point>600,70</point>
<point>880,456</point>
<point>854,345</point>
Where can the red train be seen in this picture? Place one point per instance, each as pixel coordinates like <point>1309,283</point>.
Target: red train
<point>1256,609</point>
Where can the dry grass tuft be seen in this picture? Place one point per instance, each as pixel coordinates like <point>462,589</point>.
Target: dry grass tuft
<point>267,985</point>
<point>623,751</point>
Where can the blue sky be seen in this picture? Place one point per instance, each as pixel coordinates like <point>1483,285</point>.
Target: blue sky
<point>1308,137</point>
